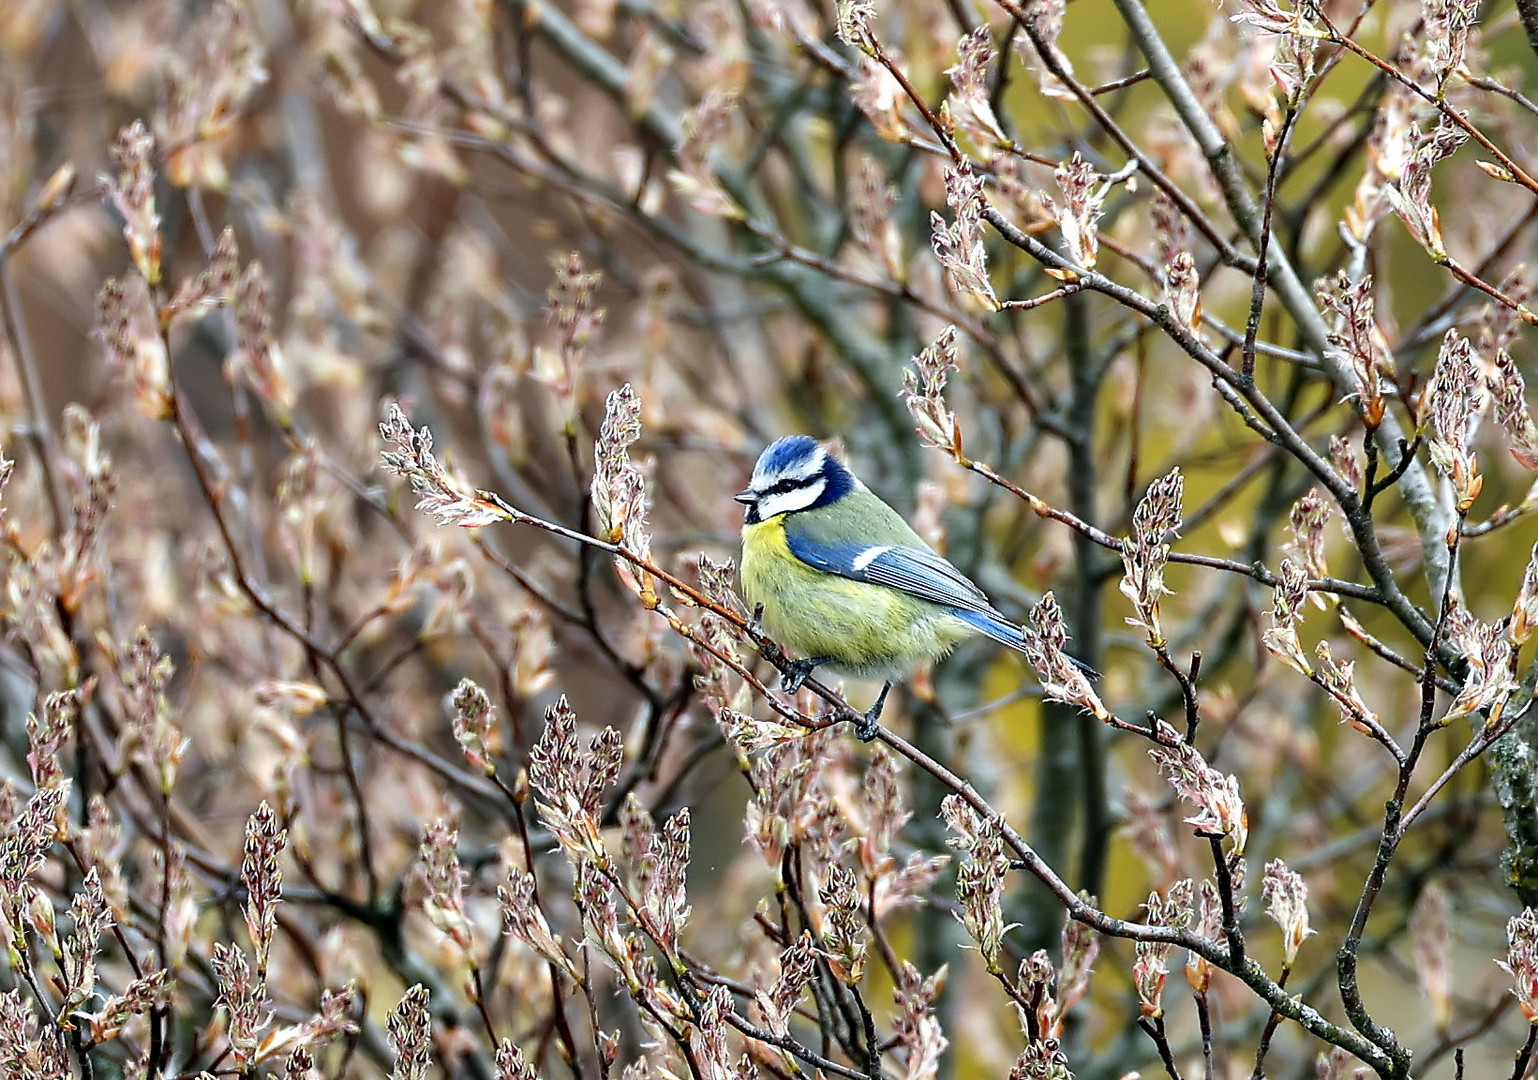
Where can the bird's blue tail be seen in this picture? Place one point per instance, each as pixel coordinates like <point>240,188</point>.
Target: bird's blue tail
<point>1007,633</point>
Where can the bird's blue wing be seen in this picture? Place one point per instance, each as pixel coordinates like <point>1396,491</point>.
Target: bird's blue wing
<point>916,571</point>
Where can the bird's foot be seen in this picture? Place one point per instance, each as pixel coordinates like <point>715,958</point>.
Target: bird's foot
<point>865,726</point>
<point>796,672</point>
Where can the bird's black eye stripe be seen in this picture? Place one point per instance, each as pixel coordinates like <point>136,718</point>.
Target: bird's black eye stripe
<point>780,487</point>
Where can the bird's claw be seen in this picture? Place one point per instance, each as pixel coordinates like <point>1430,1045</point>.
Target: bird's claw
<point>865,726</point>
<point>796,673</point>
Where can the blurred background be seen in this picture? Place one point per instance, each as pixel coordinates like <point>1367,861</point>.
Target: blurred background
<point>498,213</point>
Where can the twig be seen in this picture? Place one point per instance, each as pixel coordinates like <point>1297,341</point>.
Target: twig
<point>1154,1027</point>
<point>1258,288</point>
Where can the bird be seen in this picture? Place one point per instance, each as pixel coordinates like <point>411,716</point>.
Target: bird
<point>839,577</point>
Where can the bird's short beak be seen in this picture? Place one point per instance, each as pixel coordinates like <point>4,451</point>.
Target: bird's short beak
<point>746,498</point>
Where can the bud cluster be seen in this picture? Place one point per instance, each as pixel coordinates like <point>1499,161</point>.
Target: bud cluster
<point>959,246</point>
<point>1046,650</point>
<point>1356,341</point>
<point>1083,193</point>
<point>569,781</point>
<point>439,493</point>
<point>1286,900</point>
<point>923,389</point>
<point>620,497</point>
<point>970,102</point>
<point>1146,552</point>
<point>980,878</point>
<point>1451,405</point>
<point>1220,810</point>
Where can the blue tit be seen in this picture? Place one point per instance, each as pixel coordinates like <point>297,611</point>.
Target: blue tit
<point>843,579</point>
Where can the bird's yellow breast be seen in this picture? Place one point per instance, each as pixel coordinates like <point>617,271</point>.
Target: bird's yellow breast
<point>865,628</point>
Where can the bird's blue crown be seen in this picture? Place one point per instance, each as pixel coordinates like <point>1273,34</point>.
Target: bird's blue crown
<point>789,454</point>
<point>797,461</point>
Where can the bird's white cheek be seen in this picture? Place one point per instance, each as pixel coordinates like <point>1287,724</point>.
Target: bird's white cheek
<point>788,502</point>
